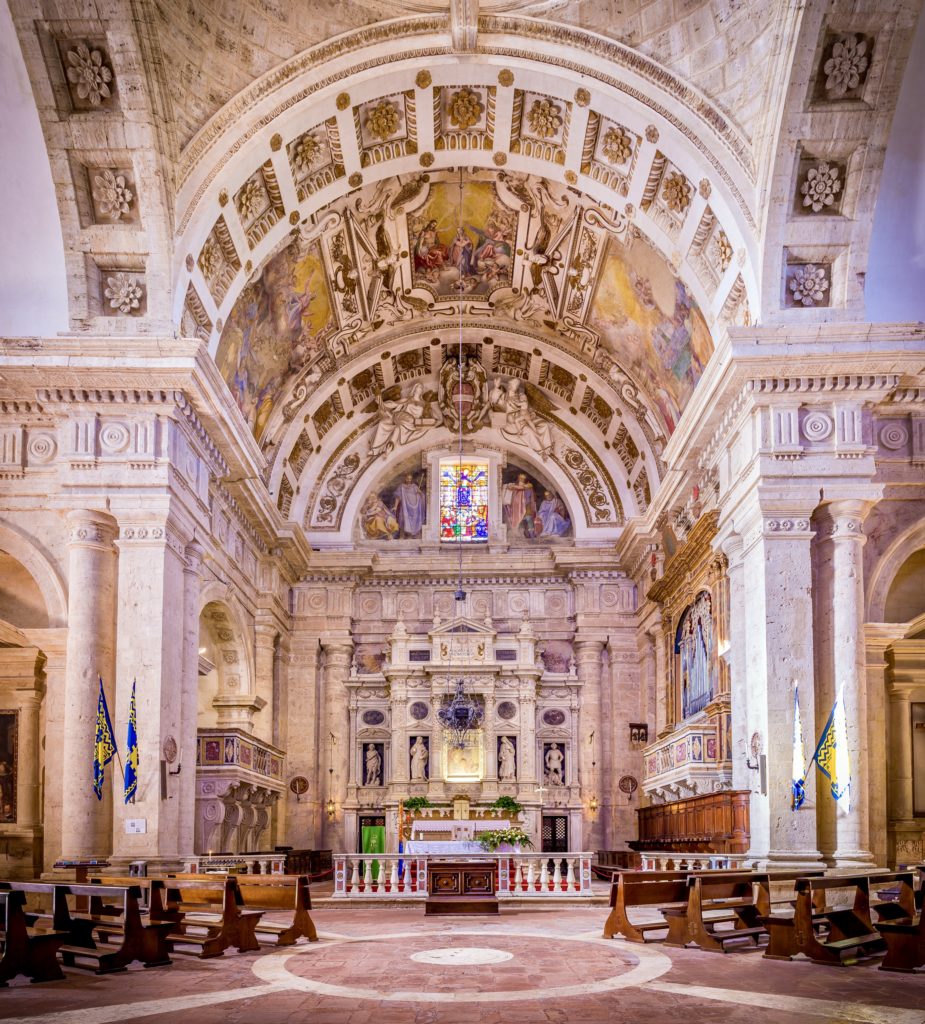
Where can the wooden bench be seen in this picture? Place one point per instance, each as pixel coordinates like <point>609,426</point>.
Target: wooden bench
<point>275,892</point>
<point>851,932</point>
<point>740,898</point>
<point>26,951</point>
<point>905,943</point>
<point>642,889</point>
<point>148,937</point>
<point>110,907</point>
<point>213,906</point>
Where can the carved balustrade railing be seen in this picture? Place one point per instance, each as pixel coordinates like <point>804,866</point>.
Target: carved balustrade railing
<point>519,875</point>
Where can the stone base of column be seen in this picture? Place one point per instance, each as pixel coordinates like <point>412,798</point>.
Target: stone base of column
<point>845,859</point>
<point>789,860</point>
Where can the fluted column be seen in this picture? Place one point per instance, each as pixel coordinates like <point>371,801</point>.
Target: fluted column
<point>91,652</point>
<point>189,709</point>
<point>336,740</point>
<point>846,518</point>
<point>588,661</point>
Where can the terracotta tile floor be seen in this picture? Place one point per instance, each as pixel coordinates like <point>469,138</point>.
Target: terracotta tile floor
<point>544,966</point>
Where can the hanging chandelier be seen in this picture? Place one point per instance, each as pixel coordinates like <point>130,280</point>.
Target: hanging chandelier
<point>462,713</point>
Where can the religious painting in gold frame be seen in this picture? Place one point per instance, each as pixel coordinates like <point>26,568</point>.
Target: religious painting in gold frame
<point>466,763</point>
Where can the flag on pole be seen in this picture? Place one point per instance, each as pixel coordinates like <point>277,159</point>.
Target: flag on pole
<point>104,746</point>
<point>798,770</point>
<point>832,754</point>
<point>131,757</point>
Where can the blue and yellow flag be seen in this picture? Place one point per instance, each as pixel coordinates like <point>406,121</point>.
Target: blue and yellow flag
<point>798,772</point>
<point>131,757</point>
<point>104,746</point>
<point>832,754</point>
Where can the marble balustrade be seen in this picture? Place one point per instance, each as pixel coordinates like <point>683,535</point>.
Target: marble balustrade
<point>520,875</point>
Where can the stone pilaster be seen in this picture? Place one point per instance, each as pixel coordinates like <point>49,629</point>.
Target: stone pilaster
<point>851,832</point>
<point>186,737</point>
<point>735,656</point>
<point>779,648</point>
<point>265,634</point>
<point>91,653</point>
<point>305,813</point>
<point>152,564</point>
<point>588,653</point>
<point>338,653</point>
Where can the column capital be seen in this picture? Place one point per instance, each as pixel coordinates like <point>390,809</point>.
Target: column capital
<point>843,519</point>
<point>91,529</point>
<point>194,554</point>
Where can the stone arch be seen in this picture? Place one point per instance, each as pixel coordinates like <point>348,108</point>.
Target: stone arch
<point>887,568</point>
<point>41,570</point>
<point>228,693</point>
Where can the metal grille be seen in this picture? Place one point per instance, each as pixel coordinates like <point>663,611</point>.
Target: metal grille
<point>555,834</point>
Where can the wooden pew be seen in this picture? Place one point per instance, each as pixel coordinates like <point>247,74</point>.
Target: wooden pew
<point>213,905</point>
<point>642,889</point>
<point>905,943</point>
<point>851,932</point>
<point>740,898</point>
<point>730,892</point>
<point>276,892</point>
<point>113,906</point>
<point>148,941</point>
<point>25,950</point>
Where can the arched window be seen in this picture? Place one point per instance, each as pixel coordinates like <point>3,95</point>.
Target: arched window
<point>695,650</point>
<point>463,501</point>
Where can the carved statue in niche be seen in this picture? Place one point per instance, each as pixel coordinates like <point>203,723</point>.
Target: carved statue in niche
<point>373,774</point>
<point>507,760</point>
<point>419,756</point>
<point>521,425</point>
<point>402,419</point>
<point>555,765</point>
<point>463,392</point>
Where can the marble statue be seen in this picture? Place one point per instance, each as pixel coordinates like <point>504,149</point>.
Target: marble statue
<point>419,757</point>
<point>401,421</point>
<point>507,761</point>
<point>521,425</point>
<point>554,762</point>
<point>373,766</point>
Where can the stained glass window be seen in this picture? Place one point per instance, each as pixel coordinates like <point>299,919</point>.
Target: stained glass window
<point>463,501</point>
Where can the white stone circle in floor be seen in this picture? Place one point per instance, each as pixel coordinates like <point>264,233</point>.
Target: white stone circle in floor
<point>649,964</point>
<point>462,956</point>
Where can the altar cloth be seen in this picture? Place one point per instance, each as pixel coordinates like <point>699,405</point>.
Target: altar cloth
<point>451,847</point>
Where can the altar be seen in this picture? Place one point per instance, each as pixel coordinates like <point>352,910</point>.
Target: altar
<point>450,836</point>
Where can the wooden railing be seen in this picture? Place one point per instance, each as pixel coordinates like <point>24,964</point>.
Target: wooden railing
<point>713,823</point>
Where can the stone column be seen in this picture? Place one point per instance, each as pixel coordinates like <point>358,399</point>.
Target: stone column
<point>185,782</point>
<point>338,653</point>
<point>900,794</point>
<point>86,826</point>
<point>779,648</point>
<point>590,735</point>
<point>608,789</point>
<point>52,728</point>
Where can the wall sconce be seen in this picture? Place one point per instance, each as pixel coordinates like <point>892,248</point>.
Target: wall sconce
<point>593,804</point>
<point>639,733</point>
<point>330,809</point>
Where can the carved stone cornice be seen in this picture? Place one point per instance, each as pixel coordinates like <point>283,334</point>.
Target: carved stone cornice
<point>690,558</point>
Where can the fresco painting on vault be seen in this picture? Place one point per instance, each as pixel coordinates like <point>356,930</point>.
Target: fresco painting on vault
<point>651,324</point>
<point>479,254</point>
<point>275,329</point>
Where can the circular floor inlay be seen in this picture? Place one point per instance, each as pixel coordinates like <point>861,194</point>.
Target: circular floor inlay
<point>462,955</point>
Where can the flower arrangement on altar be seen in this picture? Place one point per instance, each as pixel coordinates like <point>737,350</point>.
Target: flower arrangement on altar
<point>492,839</point>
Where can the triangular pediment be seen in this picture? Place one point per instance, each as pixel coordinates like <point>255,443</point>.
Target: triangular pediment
<point>461,624</point>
